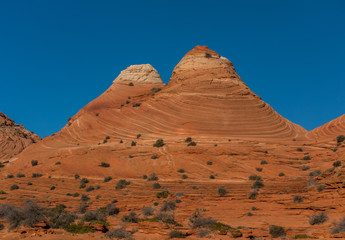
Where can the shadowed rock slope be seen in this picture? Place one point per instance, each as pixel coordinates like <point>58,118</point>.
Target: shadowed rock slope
<point>14,138</point>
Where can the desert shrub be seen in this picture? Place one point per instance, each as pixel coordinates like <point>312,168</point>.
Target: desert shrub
<point>184,176</point>
<point>203,232</point>
<point>249,214</point>
<point>82,185</point>
<point>168,206</point>
<point>297,199</point>
<point>339,227</point>
<point>222,191</point>
<point>32,213</point>
<point>111,209</point>
<point>315,173</point>
<point>299,149</point>
<point>188,140</point>
<point>1,165</point>
<point>59,218</point>
<point>14,187</point>
<point>131,84</point>
<point>253,194</point>
<point>52,187</point>
<point>1,226</point>
<point>305,168</point>
<point>179,194</point>
<point>10,176</point>
<point>156,90</point>
<point>193,144</point>
<point>104,164</point>
<point>20,175</point>
<point>153,177</point>
<point>2,192</point>
<point>255,177</point>
<point>281,174</point>
<point>258,184</point>
<point>337,164</point>
<point>29,183</point>
<point>147,211</point>
<point>82,207</point>
<point>136,105</point>
<point>156,185</point>
<point>198,221</point>
<point>13,215</point>
<point>122,183</point>
<point>79,228</point>
<point>263,162</point>
<point>167,218</point>
<point>76,176</point>
<point>277,231</point>
<point>320,188</point>
<point>58,163</point>
<point>180,170</point>
<point>154,156</point>
<point>94,216</point>
<point>209,162</point>
<point>159,143</point>
<point>254,209</point>
<point>176,234</point>
<point>133,144</point>
<point>89,188</point>
<point>208,55</point>
<point>163,194</point>
<point>258,169</point>
<point>34,162</point>
<point>119,233</point>
<point>84,198</point>
<point>306,157</point>
<point>318,218</point>
<point>155,204</point>
<point>212,176</point>
<point>36,175</point>
<point>107,179</point>
<point>144,176</point>
<point>131,217</point>
<point>340,138</point>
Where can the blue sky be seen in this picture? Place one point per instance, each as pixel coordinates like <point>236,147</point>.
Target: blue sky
<point>56,56</point>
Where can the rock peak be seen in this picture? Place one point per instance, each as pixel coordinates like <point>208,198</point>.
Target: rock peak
<point>143,73</point>
<point>202,67</point>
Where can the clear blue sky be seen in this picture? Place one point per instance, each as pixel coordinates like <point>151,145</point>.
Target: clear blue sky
<point>56,56</point>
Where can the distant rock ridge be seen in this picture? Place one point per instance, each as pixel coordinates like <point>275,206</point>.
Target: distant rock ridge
<point>330,130</point>
<point>143,73</point>
<point>14,137</point>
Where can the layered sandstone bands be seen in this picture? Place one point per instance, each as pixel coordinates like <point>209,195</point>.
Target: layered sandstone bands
<point>329,131</point>
<point>13,138</point>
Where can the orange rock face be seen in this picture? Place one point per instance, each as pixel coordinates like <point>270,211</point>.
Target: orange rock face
<point>233,135</point>
<point>13,138</point>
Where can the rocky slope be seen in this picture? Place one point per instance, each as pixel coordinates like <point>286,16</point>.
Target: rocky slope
<point>329,131</point>
<point>13,138</point>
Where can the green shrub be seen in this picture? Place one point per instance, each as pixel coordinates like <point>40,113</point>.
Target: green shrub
<point>153,177</point>
<point>305,168</point>
<point>119,233</point>
<point>301,236</point>
<point>10,176</point>
<point>79,228</point>
<point>107,179</point>
<point>263,162</point>
<point>212,176</point>
<point>180,170</point>
<point>131,217</point>
<point>306,157</point>
<point>299,149</point>
<point>131,84</point>
<point>184,176</point>
<point>122,183</point>
<point>277,231</point>
<point>318,218</point>
<point>252,195</point>
<point>208,55</point>
<point>209,162</point>
<point>52,187</point>
<point>337,164</point>
<point>297,199</point>
<point>89,189</point>
<point>188,140</point>
<point>255,177</point>
<point>162,194</point>
<point>154,156</point>
<point>168,206</point>
<point>340,138</point>
<point>222,191</point>
<point>259,169</point>
<point>258,184</point>
<point>193,144</point>
<point>281,174</point>
<point>76,176</point>
<point>159,143</point>
<point>156,185</point>
<point>133,144</point>
<point>2,192</point>
<point>36,175</point>
<point>14,187</point>
<point>315,173</point>
<point>34,162</point>
<point>58,163</point>
<point>104,164</point>
<point>20,175</point>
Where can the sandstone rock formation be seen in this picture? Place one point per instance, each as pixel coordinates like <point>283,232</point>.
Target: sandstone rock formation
<point>13,137</point>
<point>329,131</point>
